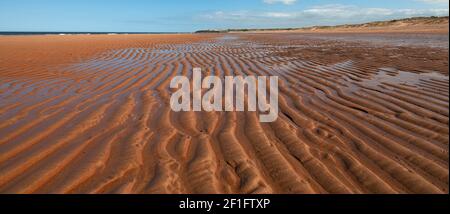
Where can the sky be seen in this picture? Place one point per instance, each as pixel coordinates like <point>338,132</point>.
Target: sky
<point>192,15</point>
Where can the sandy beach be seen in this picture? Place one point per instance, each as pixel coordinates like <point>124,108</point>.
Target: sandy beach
<point>359,113</point>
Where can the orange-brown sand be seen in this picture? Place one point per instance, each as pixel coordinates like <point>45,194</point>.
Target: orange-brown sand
<point>90,114</point>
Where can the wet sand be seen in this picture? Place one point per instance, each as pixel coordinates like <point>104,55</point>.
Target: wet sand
<point>91,114</point>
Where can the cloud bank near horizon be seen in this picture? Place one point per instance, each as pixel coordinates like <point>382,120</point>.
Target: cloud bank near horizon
<point>331,14</point>
<point>434,1</point>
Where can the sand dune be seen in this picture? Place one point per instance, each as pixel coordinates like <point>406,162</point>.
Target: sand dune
<point>91,114</point>
<point>428,25</point>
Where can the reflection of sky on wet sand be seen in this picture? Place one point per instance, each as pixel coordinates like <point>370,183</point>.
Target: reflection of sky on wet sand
<point>422,40</point>
<point>393,76</point>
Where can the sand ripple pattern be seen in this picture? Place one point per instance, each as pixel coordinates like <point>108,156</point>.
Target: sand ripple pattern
<point>104,125</point>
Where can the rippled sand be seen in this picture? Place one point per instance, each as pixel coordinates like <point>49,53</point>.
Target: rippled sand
<point>90,114</point>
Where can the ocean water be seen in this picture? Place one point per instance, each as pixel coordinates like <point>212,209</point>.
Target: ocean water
<point>24,33</point>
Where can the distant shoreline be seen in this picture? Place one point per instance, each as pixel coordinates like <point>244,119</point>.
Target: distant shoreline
<point>408,24</point>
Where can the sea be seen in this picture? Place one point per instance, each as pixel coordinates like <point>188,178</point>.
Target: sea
<point>29,33</point>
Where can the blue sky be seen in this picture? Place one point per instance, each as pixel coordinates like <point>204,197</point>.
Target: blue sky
<point>191,15</point>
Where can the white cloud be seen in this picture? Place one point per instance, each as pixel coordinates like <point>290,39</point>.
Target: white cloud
<point>319,15</point>
<point>279,15</point>
<point>286,2</point>
<point>434,1</point>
